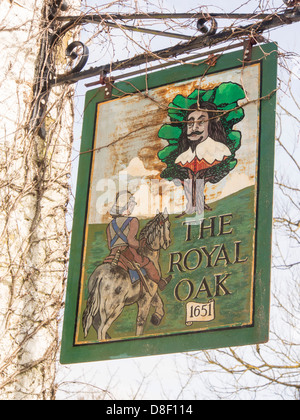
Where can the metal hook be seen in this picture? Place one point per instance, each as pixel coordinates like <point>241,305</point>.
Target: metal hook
<point>201,25</point>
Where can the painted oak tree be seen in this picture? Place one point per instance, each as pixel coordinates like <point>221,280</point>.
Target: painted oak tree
<point>221,107</point>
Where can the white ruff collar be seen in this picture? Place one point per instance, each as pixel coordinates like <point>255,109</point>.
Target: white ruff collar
<point>210,150</point>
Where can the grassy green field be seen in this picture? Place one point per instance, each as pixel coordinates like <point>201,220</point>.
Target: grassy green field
<point>234,309</point>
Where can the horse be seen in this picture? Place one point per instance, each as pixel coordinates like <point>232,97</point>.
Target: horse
<point>111,289</point>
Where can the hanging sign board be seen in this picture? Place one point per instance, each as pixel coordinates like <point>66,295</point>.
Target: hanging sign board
<point>171,244</point>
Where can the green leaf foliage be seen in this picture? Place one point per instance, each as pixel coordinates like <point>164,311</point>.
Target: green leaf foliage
<point>198,93</point>
<point>169,132</point>
<point>228,93</point>
<point>166,152</point>
<point>234,140</point>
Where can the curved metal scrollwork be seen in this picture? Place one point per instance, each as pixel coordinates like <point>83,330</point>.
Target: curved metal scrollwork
<point>71,53</point>
<point>202,27</point>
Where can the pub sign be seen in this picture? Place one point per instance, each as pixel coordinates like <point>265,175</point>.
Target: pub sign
<point>171,243</point>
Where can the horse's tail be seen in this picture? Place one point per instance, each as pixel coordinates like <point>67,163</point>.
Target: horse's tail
<point>92,307</point>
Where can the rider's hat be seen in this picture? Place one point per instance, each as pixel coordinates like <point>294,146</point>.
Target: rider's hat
<point>123,199</point>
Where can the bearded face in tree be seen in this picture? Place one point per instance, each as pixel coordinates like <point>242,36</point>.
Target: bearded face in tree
<point>202,122</point>
<point>203,141</point>
<point>202,146</point>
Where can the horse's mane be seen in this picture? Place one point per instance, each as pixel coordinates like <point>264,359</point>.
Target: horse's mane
<point>150,231</point>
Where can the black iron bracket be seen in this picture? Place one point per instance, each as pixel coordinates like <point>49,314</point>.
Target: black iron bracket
<point>206,24</point>
<point>72,50</point>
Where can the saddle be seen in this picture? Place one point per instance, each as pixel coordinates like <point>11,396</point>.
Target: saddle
<point>119,260</point>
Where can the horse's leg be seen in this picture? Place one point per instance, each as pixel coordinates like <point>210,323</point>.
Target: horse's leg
<point>101,335</point>
<point>144,305</point>
<point>97,323</point>
<point>159,310</point>
<point>107,321</point>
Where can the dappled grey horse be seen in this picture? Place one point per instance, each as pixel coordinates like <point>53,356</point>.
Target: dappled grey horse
<point>111,289</point>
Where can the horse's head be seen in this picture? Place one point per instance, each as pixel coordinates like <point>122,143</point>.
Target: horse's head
<point>157,232</point>
<point>164,226</point>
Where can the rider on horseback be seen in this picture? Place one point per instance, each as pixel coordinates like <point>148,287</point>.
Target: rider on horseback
<point>123,243</point>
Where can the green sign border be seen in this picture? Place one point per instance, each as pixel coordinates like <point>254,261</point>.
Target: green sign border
<point>259,332</point>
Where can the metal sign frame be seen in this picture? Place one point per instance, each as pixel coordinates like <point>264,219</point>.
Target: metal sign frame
<point>256,332</point>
